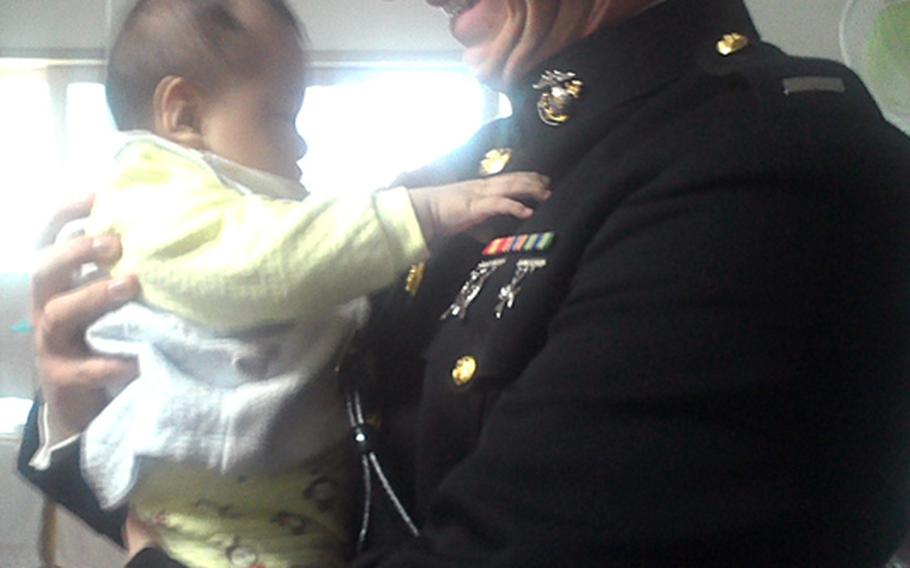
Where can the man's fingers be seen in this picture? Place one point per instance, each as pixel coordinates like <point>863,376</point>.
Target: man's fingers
<point>105,371</point>
<point>67,315</point>
<point>86,373</point>
<point>136,534</point>
<point>69,212</point>
<point>58,264</point>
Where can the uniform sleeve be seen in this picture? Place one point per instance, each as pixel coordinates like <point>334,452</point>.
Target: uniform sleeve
<point>62,481</point>
<point>50,442</point>
<point>212,255</point>
<point>153,558</point>
<point>56,471</point>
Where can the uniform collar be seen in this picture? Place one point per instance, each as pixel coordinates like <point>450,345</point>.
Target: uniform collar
<point>618,64</point>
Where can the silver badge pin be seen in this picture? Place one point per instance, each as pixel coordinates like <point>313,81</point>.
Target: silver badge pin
<point>561,90</point>
<point>509,292</point>
<point>471,288</point>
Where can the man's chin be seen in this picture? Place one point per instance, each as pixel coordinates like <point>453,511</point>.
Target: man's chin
<point>454,8</point>
<point>485,70</point>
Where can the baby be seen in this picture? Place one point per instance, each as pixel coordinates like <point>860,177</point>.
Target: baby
<point>231,443</point>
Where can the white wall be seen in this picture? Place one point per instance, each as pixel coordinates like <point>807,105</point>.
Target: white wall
<point>801,27</point>
<point>28,26</point>
<point>34,26</point>
<point>16,375</point>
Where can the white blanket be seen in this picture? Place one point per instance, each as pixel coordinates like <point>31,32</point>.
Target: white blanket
<point>255,403</point>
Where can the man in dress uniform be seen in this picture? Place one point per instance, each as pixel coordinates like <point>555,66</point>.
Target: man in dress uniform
<point>694,354</point>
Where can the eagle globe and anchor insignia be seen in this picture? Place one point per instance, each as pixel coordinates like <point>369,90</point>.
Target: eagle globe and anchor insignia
<point>562,89</point>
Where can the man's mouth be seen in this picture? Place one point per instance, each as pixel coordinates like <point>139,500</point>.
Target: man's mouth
<point>455,8</point>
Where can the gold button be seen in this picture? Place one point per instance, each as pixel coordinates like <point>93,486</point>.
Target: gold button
<point>731,43</point>
<point>495,161</point>
<point>415,278</point>
<point>464,370</point>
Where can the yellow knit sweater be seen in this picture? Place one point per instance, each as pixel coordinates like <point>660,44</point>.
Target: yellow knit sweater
<point>230,257</point>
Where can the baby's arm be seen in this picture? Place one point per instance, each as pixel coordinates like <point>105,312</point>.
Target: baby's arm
<point>229,261</point>
<point>232,261</point>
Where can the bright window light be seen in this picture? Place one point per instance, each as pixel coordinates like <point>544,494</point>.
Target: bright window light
<point>89,137</point>
<point>13,413</point>
<point>363,133</point>
<point>28,154</point>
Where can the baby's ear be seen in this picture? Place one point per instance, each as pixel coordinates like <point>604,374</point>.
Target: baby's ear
<point>178,108</point>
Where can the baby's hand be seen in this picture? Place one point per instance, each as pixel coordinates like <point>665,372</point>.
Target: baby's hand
<point>447,210</point>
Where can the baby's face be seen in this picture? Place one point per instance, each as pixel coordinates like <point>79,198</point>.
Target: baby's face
<point>252,121</point>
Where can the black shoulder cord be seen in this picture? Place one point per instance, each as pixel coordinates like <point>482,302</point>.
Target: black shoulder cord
<point>369,462</point>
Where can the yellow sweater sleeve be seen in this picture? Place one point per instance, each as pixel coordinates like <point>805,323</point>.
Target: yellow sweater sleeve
<point>212,255</point>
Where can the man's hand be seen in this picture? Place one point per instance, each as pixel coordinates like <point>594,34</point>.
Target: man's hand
<point>137,536</point>
<point>447,210</point>
<point>73,380</point>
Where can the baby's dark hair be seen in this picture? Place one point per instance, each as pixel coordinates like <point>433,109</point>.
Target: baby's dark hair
<point>201,40</point>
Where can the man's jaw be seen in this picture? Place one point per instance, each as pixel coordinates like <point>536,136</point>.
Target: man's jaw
<point>454,8</point>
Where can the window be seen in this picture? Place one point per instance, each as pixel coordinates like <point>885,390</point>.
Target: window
<point>89,136</point>
<point>363,128</point>
<point>26,177</point>
<point>366,131</point>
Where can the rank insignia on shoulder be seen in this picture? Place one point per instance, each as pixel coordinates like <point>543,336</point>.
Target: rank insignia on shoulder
<point>471,288</point>
<point>732,43</point>
<point>509,292</point>
<point>796,85</point>
<point>561,90</point>
<point>495,161</point>
<point>533,242</point>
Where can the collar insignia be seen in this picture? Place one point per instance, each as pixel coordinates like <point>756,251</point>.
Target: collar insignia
<point>471,288</point>
<point>509,293</point>
<point>561,90</point>
<point>415,278</point>
<point>732,43</point>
